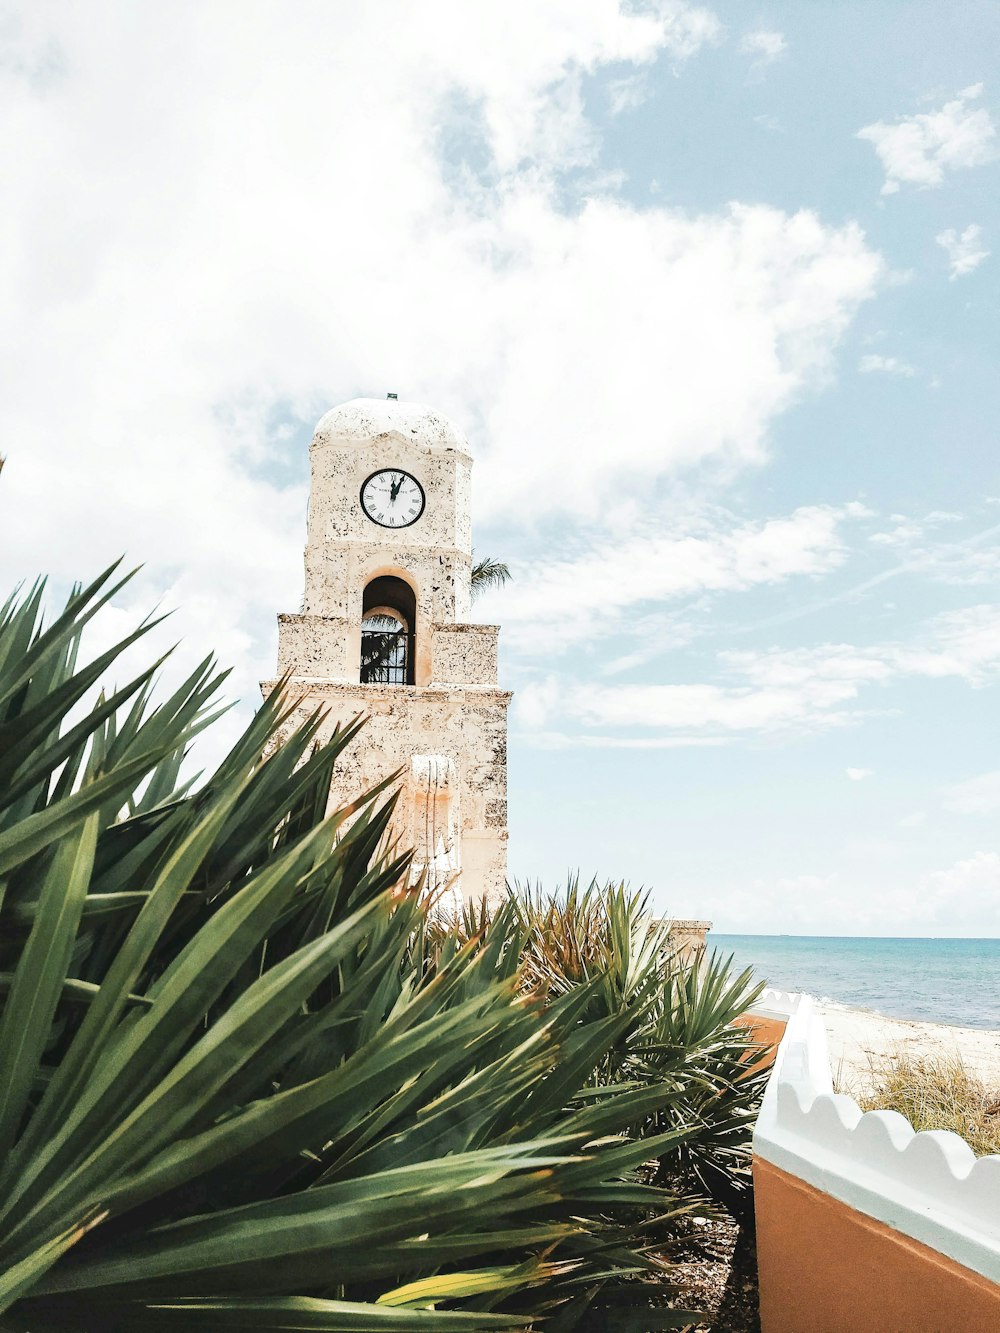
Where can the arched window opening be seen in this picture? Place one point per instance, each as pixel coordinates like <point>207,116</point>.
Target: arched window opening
<point>385,650</point>
<point>387,640</point>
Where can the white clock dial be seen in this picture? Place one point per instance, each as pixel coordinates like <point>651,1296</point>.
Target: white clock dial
<point>392,498</point>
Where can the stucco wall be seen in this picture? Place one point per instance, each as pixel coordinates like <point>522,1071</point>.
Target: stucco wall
<point>767,1019</point>
<point>767,1033</point>
<point>336,575</point>
<point>828,1268</point>
<point>861,1223</point>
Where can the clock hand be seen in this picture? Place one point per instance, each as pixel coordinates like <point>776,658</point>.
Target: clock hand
<point>394,490</point>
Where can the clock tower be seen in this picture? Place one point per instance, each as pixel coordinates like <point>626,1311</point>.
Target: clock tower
<point>384,632</point>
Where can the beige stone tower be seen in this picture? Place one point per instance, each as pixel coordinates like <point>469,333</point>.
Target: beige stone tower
<point>384,632</point>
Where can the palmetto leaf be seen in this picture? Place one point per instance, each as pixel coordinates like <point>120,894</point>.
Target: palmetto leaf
<point>247,1083</point>
<point>21,1277</point>
<point>38,982</point>
<point>479,1281</point>
<point>303,1312</point>
<point>29,836</point>
<point>27,651</point>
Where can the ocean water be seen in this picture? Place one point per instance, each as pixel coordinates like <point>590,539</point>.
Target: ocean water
<point>933,980</point>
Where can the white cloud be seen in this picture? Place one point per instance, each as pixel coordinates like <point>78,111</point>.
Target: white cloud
<point>873,364</point>
<point>964,249</point>
<point>560,740</point>
<point>840,663</point>
<point>964,644</point>
<point>550,605</point>
<point>963,897</point>
<point>904,532</point>
<point>958,565</point>
<point>914,820</point>
<point>787,904</point>
<point>690,28</point>
<point>765,46</point>
<point>608,392</point>
<point>791,691</point>
<point>699,711</point>
<point>976,796</point>
<point>967,892</point>
<point>627,93</point>
<point>535,702</point>
<point>906,529</point>
<point>215,229</point>
<point>859,774</point>
<point>652,634</point>
<point>919,149</point>
<point>972,560</point>
<point>710,708</point>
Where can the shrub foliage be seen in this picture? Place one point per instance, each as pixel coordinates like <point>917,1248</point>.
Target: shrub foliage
<point>936,1093</point>
<point>678,1019</point>
<point>244,1083</point>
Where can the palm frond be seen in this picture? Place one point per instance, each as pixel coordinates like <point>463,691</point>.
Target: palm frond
<point>488,573</point>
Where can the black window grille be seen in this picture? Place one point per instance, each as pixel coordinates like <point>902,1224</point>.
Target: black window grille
<point>386,652</point>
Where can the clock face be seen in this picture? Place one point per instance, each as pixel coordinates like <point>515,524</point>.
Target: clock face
<point>392,498</point>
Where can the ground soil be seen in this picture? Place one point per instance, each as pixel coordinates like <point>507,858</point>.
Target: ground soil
<point>716,1268</point>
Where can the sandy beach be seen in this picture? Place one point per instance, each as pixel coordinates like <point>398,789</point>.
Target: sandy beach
<point>860,1040</point>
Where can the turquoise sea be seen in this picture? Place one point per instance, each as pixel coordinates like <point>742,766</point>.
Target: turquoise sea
<point>933,980</point>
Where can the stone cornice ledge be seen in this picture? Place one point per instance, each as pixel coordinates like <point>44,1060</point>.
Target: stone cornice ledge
<point>464,627</point>
<point>321,685</point>
<point>929,1186</point>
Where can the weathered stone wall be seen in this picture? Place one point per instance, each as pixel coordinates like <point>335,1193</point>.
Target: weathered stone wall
<point>447,733</point>
<point>688,938</point>
<point>465,725</point>
<point>329,648</point>
<point>316,647</point>
<point>464,654</point>
<point>345,550</point>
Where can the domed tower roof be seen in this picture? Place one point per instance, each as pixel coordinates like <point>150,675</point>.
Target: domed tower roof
<point>363,420</point>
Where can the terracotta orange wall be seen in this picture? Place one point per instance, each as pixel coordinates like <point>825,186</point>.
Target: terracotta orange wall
<point>768,1031</point>
<point>826,1268</point>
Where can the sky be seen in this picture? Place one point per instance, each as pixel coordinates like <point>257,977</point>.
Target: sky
<point>712,290</point>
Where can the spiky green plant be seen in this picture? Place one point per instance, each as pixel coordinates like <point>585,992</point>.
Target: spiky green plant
<point>606,941</point>
<point>240,1086</point>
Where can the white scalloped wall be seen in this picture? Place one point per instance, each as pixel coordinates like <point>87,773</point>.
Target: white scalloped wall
<point>777,1003</point>
<point>929,1186</point>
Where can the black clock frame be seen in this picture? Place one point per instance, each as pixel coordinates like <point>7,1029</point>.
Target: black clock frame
<point>393,527</point>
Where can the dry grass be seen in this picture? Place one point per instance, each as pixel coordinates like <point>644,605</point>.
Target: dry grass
<point>937,1094</point>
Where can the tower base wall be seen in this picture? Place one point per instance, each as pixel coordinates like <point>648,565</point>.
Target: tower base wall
<point>447,746</point>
